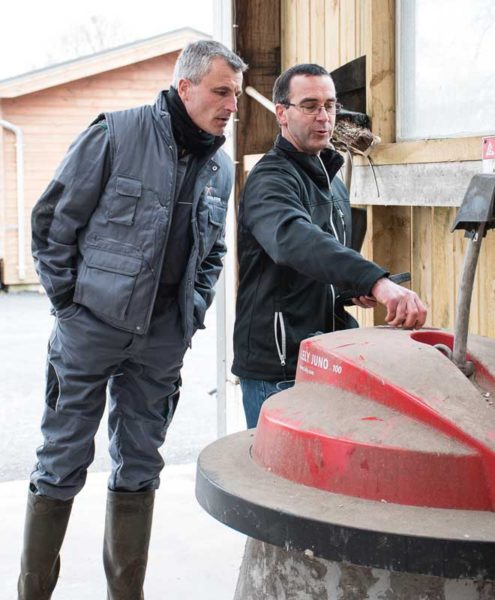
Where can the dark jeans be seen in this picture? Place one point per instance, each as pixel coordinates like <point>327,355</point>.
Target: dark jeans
<point>255,392</point>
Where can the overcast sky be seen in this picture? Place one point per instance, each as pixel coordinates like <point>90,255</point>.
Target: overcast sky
<point>35,32</point>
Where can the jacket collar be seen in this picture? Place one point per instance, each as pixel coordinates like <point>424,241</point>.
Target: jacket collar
<point>310,163</point>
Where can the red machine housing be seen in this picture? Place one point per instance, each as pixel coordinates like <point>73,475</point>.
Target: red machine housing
<point>381,414</point>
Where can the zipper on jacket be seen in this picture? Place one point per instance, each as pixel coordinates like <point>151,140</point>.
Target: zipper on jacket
<point>341,214</point>
<point>157,277</point>
<point>332,203</point>
<point>282,347</point>
<point>333,307</point>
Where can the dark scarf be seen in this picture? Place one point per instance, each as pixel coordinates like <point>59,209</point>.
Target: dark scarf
<point>200,146</point>
<point>188,136</point>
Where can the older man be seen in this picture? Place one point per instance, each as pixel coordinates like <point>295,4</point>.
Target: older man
<point>128,241</point>
<point>293,244</point>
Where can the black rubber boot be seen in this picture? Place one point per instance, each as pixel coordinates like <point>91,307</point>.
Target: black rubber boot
<point>125,547</point>
<point>44,531</point>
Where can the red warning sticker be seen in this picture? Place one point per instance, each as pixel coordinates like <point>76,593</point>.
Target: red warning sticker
<point>488,148</point>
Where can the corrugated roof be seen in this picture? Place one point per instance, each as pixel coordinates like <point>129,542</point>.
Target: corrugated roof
<point>93,64</point>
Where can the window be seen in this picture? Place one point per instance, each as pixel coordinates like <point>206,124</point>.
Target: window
<point>445,68</point>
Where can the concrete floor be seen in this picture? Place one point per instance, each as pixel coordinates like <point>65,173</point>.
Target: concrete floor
<point>192,556</point>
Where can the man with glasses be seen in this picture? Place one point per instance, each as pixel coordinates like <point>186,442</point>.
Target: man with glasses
<point>293,245</point>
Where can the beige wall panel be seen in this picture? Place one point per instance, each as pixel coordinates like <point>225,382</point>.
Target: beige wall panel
<point>317,51</point>
<point>380,66</point>
<point>422,248</point>
<point>289,33</point>
<point>332,34</point>
<point>366,317</point>
<point>482,303</point>
<point>391,242</point>
<point>362,32</point>
<point>443,308</point>
<point>347,31</point>
<point>486,286</point>
<point>303,36</point>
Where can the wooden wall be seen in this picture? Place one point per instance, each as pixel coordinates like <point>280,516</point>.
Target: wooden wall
<point>50,120</point>
<point>334,32</point>
<point>329,33</point>
<point>418,239</point>
<point>401,238</point>
<point>257,39</point>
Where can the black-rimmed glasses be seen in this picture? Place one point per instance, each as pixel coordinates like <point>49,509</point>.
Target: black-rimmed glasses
<point>313,108</point>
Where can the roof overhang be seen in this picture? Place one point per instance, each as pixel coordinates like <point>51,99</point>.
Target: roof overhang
<point>100,62</point>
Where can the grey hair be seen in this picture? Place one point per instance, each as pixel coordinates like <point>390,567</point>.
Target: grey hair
<point>195,61</point>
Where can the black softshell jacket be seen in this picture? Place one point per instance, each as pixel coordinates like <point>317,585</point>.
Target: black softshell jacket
<point>293,236</point>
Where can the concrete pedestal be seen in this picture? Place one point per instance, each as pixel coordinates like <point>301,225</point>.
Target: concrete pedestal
<point>272,573</point>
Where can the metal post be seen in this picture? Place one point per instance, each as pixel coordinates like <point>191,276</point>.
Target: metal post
<point>464,301</point>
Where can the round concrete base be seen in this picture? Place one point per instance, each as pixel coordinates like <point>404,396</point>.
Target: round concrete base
<point>447,543</point>
<point>272,573</point>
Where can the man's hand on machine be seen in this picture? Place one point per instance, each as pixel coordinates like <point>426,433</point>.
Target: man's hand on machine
<point>404,307</point>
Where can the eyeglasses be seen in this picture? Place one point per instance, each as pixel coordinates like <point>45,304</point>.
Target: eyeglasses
<point>313,108</point>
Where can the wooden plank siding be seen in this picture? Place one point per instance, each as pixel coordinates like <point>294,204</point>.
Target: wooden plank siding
<point>401,238</point>
<point>327,32</point>
<point>50,120</point>
<point>258,28</point>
